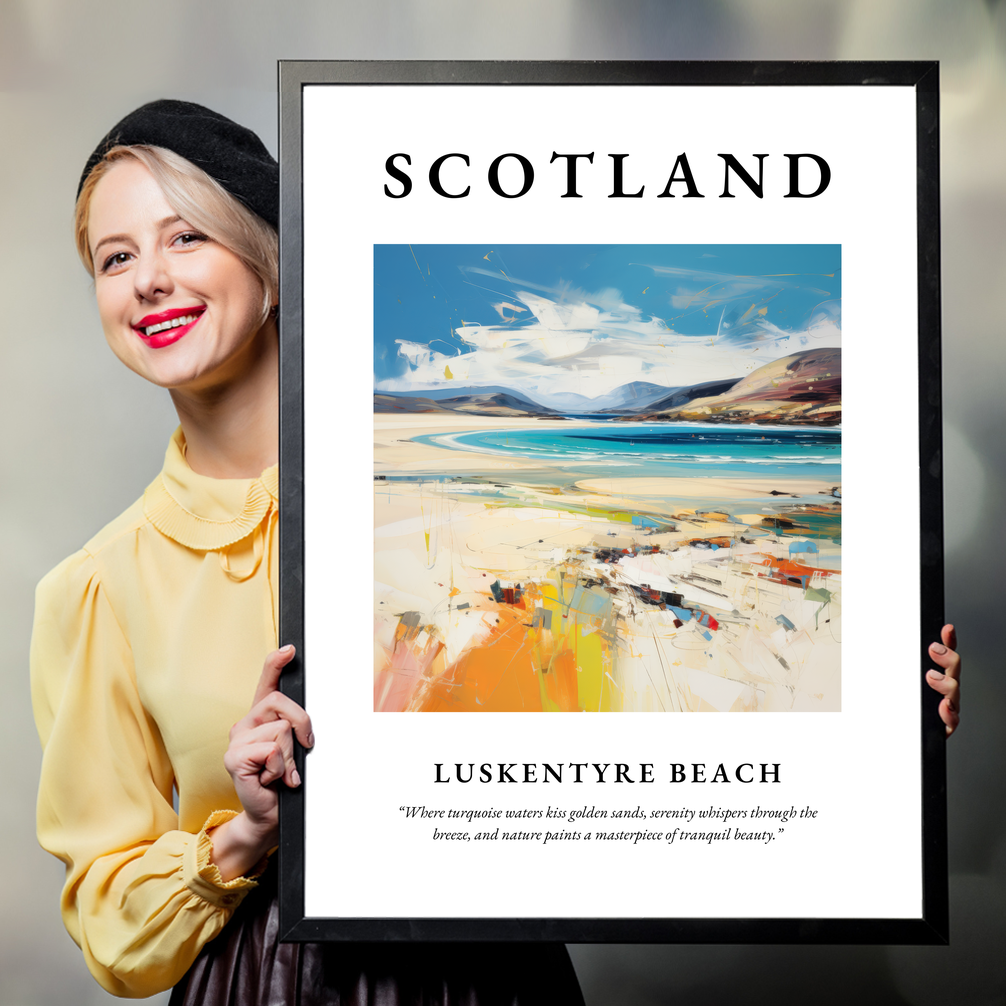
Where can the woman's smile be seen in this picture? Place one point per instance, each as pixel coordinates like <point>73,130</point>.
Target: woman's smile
<point>166,327</point>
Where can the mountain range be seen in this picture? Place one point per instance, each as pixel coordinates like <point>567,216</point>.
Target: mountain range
<point>803,388</point>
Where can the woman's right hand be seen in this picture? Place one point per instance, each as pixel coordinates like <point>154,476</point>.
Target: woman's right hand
<point>260,753</point>
<point>948,681</point>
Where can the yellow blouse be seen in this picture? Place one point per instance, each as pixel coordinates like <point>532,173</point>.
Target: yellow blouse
<point>147,647</point>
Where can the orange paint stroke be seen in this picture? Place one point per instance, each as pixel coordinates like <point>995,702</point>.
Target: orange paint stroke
<point>497,675</point>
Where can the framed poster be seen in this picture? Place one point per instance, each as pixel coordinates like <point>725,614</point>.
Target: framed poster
<point>611,596</point>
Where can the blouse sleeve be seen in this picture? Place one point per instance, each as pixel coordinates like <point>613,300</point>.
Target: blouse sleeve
<point>141,898</point>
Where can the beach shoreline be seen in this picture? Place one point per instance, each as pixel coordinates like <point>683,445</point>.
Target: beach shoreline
<point>503,583</point>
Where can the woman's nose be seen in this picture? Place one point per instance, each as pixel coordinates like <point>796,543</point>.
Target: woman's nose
<point>152,277</point>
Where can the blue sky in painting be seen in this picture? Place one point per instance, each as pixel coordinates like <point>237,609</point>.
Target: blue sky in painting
<point>554,320</point>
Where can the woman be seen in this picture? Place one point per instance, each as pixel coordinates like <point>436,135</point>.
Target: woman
<point>148,643</point>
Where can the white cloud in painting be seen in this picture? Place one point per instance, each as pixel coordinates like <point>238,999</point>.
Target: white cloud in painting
<point>508,311</point>
<point>561,342</point>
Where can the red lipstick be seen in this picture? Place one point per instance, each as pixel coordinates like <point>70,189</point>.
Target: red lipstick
<point>166,327</point>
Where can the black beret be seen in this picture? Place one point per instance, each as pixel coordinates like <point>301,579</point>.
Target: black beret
<point>230,154</point>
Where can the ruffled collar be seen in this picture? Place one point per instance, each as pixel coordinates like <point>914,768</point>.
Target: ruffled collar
<point>203,513</point>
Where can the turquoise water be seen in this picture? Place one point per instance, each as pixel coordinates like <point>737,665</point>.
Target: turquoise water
<point>666,449</point>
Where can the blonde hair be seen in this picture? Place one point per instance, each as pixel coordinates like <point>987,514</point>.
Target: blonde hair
<point>199,200</point>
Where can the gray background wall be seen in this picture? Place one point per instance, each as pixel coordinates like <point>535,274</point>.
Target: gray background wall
<point>82,436</point>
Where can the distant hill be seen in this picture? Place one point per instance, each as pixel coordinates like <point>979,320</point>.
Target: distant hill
<point>672,398</point>
<point>803,389</point>
<point>470,401</point>
<point>625,398</point>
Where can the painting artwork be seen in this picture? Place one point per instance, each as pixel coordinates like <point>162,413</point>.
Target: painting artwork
<point>607,478</point>
<point>605,475</point>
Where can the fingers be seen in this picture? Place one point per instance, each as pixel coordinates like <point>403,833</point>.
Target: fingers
<point>949,688</point>
<point>265,751</point>
<point>277,706</point>
<point>950,717</point>
<point>947,681</point>
<point>270,703</point>
<point>261,750</point>
<point>945,655</point>
<point>271,671</point>
<point>949,636</point>
<point>262,761</point>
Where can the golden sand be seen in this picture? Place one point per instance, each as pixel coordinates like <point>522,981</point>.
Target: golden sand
<point>587,609</point>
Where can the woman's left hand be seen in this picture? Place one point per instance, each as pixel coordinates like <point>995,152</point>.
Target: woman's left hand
<point>948,681</point>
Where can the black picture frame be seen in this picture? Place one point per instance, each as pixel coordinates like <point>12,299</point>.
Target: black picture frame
<point>932,926</point>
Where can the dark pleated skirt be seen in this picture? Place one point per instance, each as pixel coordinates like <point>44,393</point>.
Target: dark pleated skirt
<point>246,965</point>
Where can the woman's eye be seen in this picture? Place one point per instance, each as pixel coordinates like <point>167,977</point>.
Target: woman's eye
<point>190,238</point>
<point>114,261</point>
